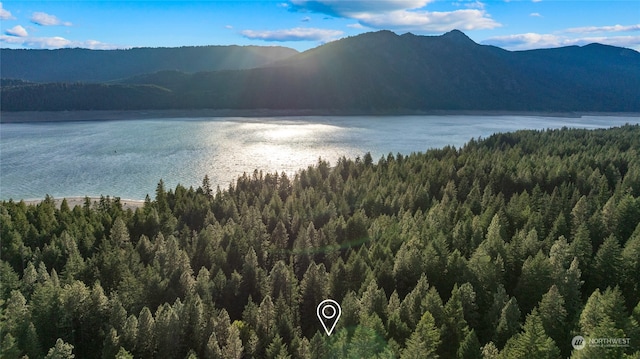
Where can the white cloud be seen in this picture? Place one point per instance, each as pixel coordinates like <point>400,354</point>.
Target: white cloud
<point>357,25</point>
<point>525,41</point>
<point>295,34</point>
<point>470,4</point>
<point>44,19</point>
<point>5,14</point>
<point>402,15</point>
<point>537,41</point>
<point>535,14</point>
<point>614,28</point>
<point>536,0</point>
<point>18,31</point>
<point>55,43</point>
<point>228,27</point>
<point>402,20</point>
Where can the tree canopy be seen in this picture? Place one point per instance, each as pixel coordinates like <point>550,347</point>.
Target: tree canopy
<point>508,245</point>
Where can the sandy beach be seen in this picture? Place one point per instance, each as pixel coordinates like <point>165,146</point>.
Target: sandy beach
<point>79,201</point>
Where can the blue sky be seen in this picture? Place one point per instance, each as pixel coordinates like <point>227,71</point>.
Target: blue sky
<point>304,24</point>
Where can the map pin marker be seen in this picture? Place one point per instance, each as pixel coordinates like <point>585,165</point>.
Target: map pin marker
<point>329,312</point>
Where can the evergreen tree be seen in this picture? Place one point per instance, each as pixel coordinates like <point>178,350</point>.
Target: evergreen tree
<point>313,291</point>
<point>533,342</point>
<point>9,347</point>
<point>424,341</point>
<point>554,318</point>
<point>123,354</point>
<point>61,350</point>
<point>470,347</point>
<point>146,345</point>
<point>631,268</point>
<point>233,348</point>
<point>277,349</point>
<point>607,265</point>
<point>509,322</point>
<point>535,280</point>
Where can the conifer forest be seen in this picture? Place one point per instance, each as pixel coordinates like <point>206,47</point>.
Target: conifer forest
<point>507,247</point>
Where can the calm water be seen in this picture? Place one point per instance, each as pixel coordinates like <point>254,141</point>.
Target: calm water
<point>127,158</point>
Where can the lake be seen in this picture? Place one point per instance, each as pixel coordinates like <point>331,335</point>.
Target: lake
<point>127,158</point>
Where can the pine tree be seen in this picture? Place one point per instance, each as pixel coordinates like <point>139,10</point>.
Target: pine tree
<point>146,345</point>
<point>9,347</point>
<point>313,291</point>
<point>61,350</point>
<point>607,266</point>
<point>119,233</point>
<point>213,350</point>
<point>168,334</point>
<point>631,268</point>
<point>509,322</point>
<point>123,354</point>
<point>233,348</point>
<point>266,320</point>
<point>535,280</point>
<point>277,349</point>
<point>554,318</point>
<point>129,336</point>
<point>607,306</point>
<point>470,347</point>
<point>532,343</point>
<point>424,341</point>
<point>111,344</point>
<point>455,327</point>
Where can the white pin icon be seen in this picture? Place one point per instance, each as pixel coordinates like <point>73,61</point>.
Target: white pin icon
<point>329,311</point>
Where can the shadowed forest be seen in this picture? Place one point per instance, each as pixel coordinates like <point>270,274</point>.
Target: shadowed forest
<point>507,247</point>
<point>372,73</point>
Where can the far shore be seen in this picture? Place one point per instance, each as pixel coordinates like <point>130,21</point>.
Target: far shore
<point>60,116</point>
<point>79,201</point>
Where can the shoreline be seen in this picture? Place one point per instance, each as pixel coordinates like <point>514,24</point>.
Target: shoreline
<point>117,115</point>
<point>132,204</point>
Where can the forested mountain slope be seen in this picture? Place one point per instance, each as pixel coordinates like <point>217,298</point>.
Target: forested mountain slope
<point>378,72</point>
<point>509,245</point>
<point>73,65</point>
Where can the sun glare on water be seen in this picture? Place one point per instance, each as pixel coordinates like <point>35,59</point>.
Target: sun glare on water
<point>285,146</point>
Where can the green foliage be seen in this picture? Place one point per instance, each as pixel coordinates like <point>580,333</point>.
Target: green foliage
<point>61,350</point>
<point>442,253</point>
<point>424,341</point>
<point>533,342</point>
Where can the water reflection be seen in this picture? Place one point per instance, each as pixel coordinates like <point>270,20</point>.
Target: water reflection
<point>127,158</point>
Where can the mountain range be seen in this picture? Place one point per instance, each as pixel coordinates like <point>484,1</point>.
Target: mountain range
<point>84,65</point>
<point>378,72</point>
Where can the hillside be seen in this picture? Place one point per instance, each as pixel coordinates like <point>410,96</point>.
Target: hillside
<point>71,65</point>
<point>383,72</point>
<point>509,246</point>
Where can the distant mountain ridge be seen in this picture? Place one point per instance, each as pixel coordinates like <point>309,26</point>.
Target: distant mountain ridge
<point>84,65</point>
<point>379,72</point>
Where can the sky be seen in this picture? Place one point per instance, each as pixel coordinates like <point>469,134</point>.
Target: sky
<point>305,24</point>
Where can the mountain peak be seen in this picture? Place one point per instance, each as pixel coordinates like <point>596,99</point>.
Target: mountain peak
<point>457,36</point>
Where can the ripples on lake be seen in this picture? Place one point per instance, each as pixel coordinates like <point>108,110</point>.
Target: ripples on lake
<point>127,158</point>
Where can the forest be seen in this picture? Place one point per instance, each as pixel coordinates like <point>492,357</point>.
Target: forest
<point>372,73</point>
<point>507,247</point>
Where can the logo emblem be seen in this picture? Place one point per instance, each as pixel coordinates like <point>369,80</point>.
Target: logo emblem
<point>578,342</point>
<point>328,312</point>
